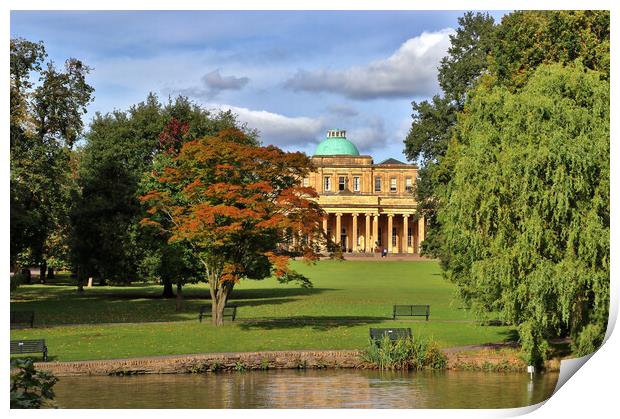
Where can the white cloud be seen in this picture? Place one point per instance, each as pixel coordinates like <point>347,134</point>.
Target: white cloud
<point>304,133</point>
<point>277,129</point>
<point>410,71</point>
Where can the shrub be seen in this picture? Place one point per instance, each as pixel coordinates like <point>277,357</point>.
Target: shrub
<point>434,357</point>
<point>588,340</point>
<point>215,366</point>
<point>404,354</point>
<point>31,389</point>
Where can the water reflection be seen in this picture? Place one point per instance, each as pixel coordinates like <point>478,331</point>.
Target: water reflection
<point>308,389</point>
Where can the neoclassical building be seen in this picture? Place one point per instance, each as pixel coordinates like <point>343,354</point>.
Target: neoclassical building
<point>369,206</point>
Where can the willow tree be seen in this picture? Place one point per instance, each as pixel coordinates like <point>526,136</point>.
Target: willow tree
<point>234,203</point>
<point>525,217</point>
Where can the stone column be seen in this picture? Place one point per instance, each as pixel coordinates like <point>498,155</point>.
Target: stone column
<point>354,233</point>
<point>325,219</point>
<point>375,230</point>
<point>338,228</point>
<point>420,232</point>
<point>389,228</point>
<point>367,241</point>
<point>405,233</point>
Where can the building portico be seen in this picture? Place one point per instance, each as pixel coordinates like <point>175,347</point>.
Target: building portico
<point>368,207</point>
<point>368,232</point>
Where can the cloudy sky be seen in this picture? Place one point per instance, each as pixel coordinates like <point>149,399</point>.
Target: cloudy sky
<point>291,75</point>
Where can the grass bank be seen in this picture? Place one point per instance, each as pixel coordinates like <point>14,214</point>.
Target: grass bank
<point>348,297</point>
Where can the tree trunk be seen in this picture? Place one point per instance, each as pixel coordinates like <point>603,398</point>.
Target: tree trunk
<point>26,275</point>
<point>42,271</point>
<point>179,306</point>
<point>50,273</point>
<point>219,290</point>
<point>219,302</point>
<point>80,279</point>
<point>168,293</point>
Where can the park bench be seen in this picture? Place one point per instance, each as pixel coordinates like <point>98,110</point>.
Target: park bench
<point>411,310</point>
<point>392,333</point>
<point>29,347</point>
<point>230,311</point>
<point>22,319</point>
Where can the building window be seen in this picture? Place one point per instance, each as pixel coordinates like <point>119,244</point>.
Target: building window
<point>306,182</point>
<point>327,183</point>
<point>409,236</point>
<point>341,183</point>
<point>393,184</point>
<point>409,184</point>
<point>378,184</point>
<point>356,183</point>
<point>394,236</point>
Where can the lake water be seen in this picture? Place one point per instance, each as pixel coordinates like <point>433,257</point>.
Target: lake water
<point>307,389</point>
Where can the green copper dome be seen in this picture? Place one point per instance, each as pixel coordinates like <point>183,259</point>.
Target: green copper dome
<point>336,143</point>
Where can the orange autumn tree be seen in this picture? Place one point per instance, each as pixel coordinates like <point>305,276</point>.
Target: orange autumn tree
<point>235,204</point>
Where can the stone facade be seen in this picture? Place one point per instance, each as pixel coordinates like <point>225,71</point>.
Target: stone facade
<point>370,207</point>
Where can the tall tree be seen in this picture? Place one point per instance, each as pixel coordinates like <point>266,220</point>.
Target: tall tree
<point>527,39</point>
<point>234,203</point>
<point>433,121</point>
<point>25,57</point>
<point>499,231</point>
<point>510,52</point>
<point>525,217</point>
<point>430,131</point>
<point>45,123</point>
<point>467,57</point>
<point>119,149</point>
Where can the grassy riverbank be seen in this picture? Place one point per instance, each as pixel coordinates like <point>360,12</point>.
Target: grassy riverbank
<point>347,298</point>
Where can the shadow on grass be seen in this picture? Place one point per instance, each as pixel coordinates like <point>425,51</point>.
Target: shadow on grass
<point>318,323</point>
<point>97,309</point>
<point>257,293</point>
<point>511,335</point>
<point>132,292</point>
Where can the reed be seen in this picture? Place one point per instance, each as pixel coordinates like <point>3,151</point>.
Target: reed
<point>404,354</point>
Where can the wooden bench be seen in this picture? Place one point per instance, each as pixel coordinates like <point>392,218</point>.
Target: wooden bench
<point>413,310</point>
<point>22,319</point>
<point>393,333</point>
<point>230,311</point>
<point>29,347</point>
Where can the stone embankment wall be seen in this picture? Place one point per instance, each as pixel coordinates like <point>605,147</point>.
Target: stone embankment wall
<point>478,360</point>
<point>240,361</point>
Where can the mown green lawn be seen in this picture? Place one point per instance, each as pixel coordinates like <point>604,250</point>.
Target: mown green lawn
<point>347,298</point>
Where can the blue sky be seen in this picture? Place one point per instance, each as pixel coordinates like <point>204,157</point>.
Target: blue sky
<point>292,75</point>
